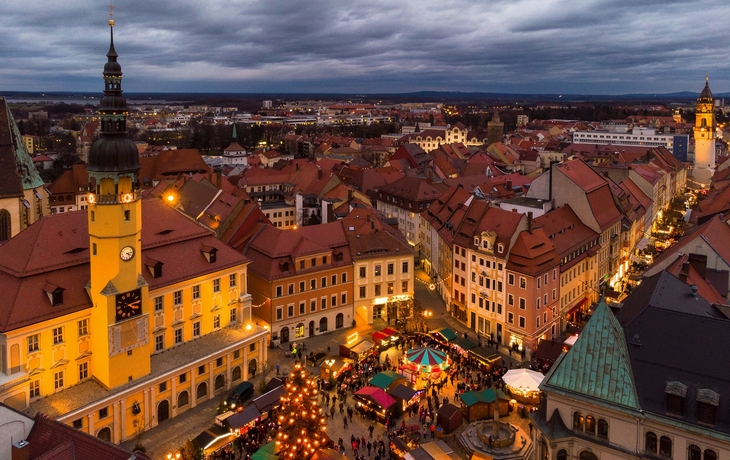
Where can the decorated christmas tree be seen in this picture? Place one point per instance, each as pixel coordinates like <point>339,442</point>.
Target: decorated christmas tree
<point>301,420</point>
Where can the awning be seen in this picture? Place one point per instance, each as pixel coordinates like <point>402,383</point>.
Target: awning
<point>485,355</point>
<point>376,395</point>
<point>243,418</point>
<point>577,306</point>
<point>390,331</point>
<point>403,392</point>
<point>643,243</point>
<point>379,336</point>
<point>570,341</point>
<point>464,344</point>
<point>268,401</point>
<point>447,334</point>
<point>362,347</point>
<point>214,438</point>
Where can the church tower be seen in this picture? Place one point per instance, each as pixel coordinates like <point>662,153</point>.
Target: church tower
<point>704,133</point>
<point>120,317</point>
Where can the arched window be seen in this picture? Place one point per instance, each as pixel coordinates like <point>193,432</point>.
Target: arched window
<point>650,442</point>
<point>220,382</point>
<point>105,434</point>
<point>603,429</point>
<point>694,453</point>
<point>5,229</point>
<point>577,421</point>
<point>665,447</point>
<point>323,325</point>
<point>339,320</point>
<point>183,399</point>
<point>544,453</point>
<point>587,455</point>
<point>202,390</point>
<point>562,455</point>
<point>710,455</point>
<point>590,425</point>
<point>236,373</point>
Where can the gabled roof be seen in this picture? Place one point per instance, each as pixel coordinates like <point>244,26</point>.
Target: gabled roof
<point>412,188</point>
<point>565,230</point>
<point>533,253</point>
<point>598,366</point>
<point>384,379</point>
<point>716,232</point>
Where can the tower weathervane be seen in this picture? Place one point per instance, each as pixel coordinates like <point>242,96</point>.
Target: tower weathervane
<point>111,14</point>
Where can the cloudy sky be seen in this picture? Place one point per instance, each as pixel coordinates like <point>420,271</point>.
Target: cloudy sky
<point>516,46</point>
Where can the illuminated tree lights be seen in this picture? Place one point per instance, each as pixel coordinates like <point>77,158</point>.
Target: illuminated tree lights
<point>301,421</point>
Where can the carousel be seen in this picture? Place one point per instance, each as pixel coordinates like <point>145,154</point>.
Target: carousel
<point>524,385</point>
<point>424,364</point>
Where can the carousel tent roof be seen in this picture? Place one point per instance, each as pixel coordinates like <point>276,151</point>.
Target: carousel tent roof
<point>384,379</point>
<point>426,356</point>
<point>464,344</point>
<point>447,334</point>
<point>525,378</point>
<point>377,395</point>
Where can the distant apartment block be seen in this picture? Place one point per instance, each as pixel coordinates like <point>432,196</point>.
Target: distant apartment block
<point>675,143</point>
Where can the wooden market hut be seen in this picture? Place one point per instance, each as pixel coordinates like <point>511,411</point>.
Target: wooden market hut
<point>387,380</point>
<point>449,417</point>
<point>374,401</point>
<point>480,405</point>
<point>405,397</point>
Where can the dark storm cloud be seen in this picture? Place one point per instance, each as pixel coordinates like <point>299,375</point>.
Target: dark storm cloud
<point>589,46</point>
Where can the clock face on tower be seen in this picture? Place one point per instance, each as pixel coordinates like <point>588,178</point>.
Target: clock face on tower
<point>126,253</point>
<point>129,304</point>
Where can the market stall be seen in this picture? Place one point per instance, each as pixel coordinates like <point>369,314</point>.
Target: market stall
<point>486,357</point>
<point>546,354</point>
<point>333,366</point>
<point>374,402</point>
<point>405,397</point>
<point>269,401</point>
<point>266,452</point>
<point>449,417</point>
<point>435,450</point>
<point>243,421</point>
<point>214,439</point>
<point>523,385</point>
<point>480,405</point>
<point>381,340</point>
<point>463,345</point>
<point>357,351</point>
<point>328,454</point>
<point>386,380</point>
<point>445,335</point>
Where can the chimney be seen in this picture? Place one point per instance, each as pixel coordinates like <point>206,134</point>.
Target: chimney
<point>699,262</point>
<point>20,450</point>
<point>319,174</point>
<point>529,221</point>
<point>684,272</point>
<point>509,185</point>
<point>218,179</point>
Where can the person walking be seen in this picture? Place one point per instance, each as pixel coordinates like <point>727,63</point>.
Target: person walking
<point>344,421</point>
<point>370,429</point>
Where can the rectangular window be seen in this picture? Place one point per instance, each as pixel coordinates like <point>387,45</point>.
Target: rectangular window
<point>323,303</point>
<point>217,285</point>
<point>159,303</point>
<point>104,412</point>
<point>510,299</point>
<point>333,301</point>
<point>378,270</point>
<point>510,318</point>
<point>177,298</point>
<point>362,292</point>
<point>279,291</point>
<point>313,284</point>
<point>473,298</point>
<point>362,272</point>
<point>196,291</point>
<point>162,387</point>
<point>290,311</point>
<point>499,286</point>
<point>301,286</point>
<point>390,269</point>
<point>522,322</point>
<point>343,278</point>
<point>538,282</point>
<point>499,308</point>
<point>236,354</point>
<point>218,362</point>
<point>523,304</point>
<point>343,298</point>
<point>232,315</point>
<point>33,343</point>
<point>302,308</point>
<point>301,265</point>
<point>538,303</point>
<point>404,287</point>
<point>252,347</point>
<point>333,280</point>
<point>159,342</point>
<point>324,260</point>
<point>232,280</point>
<point>314,262</point>
<point>58,380</point>
<point>182,378</point>
<point>390,289</point>
<point>523,282</point>
<point>216,322</point>
<point>178,336</point>
<point>377,290</point>
<point>57,335</point>
<point>312,306</point>
<point>511,279</point>
<point>196,329</point>
<point>35,389</point>
<point>83,327</point>
<point>83,371</point>
<point>279,313</point>
<point>324,282</point>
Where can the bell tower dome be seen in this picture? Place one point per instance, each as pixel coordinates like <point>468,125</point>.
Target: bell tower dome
<point>704,135</point>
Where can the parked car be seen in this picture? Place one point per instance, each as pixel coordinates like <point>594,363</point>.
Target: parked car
<point>316,359</point>
<point>239,395</point>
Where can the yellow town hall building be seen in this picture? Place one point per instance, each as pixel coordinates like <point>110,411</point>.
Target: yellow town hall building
<point>113,322</point>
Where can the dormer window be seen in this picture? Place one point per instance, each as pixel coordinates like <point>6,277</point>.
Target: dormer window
<point>707,402</point>
<point>675,392</point>
<point>154,266</point>
<point>500,248</point>
<point>210,253</point>
<point>55,294</point>
<point>476,242</point>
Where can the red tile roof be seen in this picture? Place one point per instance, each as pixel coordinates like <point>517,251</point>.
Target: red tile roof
<point>533,253</point>
<point>565,230</point>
